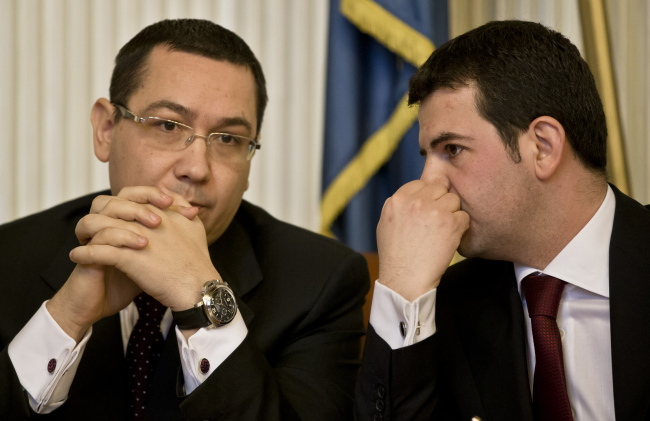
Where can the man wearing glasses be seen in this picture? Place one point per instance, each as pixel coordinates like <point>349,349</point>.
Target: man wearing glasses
<point>185,302</point>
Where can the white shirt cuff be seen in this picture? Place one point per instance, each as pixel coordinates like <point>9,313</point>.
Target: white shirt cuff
<point>390,310</point>
<point>40,345</point>
<point>213,346</point>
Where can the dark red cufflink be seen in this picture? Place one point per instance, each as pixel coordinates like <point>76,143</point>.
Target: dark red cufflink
<point>205,366</point>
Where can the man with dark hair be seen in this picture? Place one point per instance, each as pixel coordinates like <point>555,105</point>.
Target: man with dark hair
<point>185,302</point>
<point>547,318</point>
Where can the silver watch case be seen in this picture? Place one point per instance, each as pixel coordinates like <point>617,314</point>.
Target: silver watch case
<point>219,304</point>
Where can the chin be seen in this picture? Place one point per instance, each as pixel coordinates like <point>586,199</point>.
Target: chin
<point>465,246</point>
<point>470,246</point>
<point>465,252</point>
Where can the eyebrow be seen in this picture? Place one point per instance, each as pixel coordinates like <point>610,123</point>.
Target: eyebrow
<point>235,121</point>
<point>189,114</point>
<point>170,105</point>
<point>445,137</point>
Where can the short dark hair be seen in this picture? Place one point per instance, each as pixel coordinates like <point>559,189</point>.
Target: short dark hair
<point>521,71</point>
<point>195,36</point>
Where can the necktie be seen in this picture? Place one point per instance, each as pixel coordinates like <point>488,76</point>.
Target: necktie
<point>550,397</point>
<point>143,350</point>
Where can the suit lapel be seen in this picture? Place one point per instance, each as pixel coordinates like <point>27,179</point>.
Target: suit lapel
<point>163,402</point>
<point>60,267</point>
<point>56,273</point>
<point>234,257</point>
<point>629,281</point>
<point>101,380</point>
<point>492,331</point>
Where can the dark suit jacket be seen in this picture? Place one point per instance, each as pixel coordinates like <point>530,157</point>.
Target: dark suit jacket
<point>475,364</point>
<point>300,294</point>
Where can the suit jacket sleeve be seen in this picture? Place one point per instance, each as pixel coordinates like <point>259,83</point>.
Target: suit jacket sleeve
<point>312,372</point>
<point>398,384</point>
<point>13,404</point>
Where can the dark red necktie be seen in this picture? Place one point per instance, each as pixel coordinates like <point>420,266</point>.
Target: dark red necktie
<point>550,397</point>
<point>143,350</point>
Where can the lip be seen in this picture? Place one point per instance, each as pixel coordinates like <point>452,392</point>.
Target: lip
<point>201,206</point>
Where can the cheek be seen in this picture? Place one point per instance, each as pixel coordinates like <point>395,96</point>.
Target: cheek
<point>505,196</point>
<point>483,190</point>
<point>230,183</point>
<point>133,166</point>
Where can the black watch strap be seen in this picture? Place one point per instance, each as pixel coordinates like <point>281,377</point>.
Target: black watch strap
<point>193,318</point>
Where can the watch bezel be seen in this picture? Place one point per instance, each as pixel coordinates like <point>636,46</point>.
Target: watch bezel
<point>210,288</point>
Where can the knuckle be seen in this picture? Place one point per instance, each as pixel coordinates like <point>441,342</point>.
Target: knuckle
<point>90,252</point>
<point>98,203</point>
<point>111,204</point>
<point>124,191</point>
<point>83,225</point>
<point>455,199</point>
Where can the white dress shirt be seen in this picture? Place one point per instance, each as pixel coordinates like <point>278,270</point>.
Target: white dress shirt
<point>43,339</point>
<point>583,316</point>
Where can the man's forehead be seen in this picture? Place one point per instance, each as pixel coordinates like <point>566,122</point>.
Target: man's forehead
<point>205,86</point>
<point>449,113</point>
<point>438,103</point>
<point>162,59</point>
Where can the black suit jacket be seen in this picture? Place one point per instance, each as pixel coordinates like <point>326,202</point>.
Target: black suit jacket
<point>475,364</point>
<point>300,294</point>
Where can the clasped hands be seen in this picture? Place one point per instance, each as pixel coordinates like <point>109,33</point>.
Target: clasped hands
<point>420,228</point>
<point>140,240</point>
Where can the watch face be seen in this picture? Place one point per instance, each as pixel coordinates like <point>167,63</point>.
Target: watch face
<point>224,306</point>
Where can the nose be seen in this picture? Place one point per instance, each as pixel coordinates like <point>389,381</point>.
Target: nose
<point>194,162</point>
<point>435,172</point>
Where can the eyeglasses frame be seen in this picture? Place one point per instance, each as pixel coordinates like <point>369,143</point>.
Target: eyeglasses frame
<point>128,114</point>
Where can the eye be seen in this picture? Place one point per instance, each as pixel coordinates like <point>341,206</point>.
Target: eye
<point>169,126</point>
<point>453,150</point>
<point>227,139</point>
<point>165,126</point>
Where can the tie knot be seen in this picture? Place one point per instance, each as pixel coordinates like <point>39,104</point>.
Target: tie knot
<point>542,294</point>
<point>149,308</point>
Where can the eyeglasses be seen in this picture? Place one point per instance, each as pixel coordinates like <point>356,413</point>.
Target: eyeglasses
<point>175,136</point>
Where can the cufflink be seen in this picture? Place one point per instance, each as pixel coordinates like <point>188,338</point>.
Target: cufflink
<point>204,366</point>
<point>51,366</point>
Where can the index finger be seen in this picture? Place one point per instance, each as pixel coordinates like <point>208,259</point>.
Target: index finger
<point>435,190</point>
<point>146,194</point>
<point>179,200</point>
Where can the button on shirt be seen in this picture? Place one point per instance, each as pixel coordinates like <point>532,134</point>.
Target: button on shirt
<point>47,391</point>
<point>583,316</point>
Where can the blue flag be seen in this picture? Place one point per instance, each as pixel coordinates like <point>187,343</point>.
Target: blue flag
<point>371,136</point>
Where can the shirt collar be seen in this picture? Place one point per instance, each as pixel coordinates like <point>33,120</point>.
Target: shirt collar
<point>584,262</point>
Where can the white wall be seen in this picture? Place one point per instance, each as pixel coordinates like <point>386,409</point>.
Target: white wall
<point>56,57</point>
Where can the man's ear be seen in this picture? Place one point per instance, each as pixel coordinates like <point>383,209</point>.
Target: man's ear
<point>550,142</point>
<point>102,118</point>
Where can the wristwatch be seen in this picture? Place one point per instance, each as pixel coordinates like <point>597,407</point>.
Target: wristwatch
<point>217,308</point>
